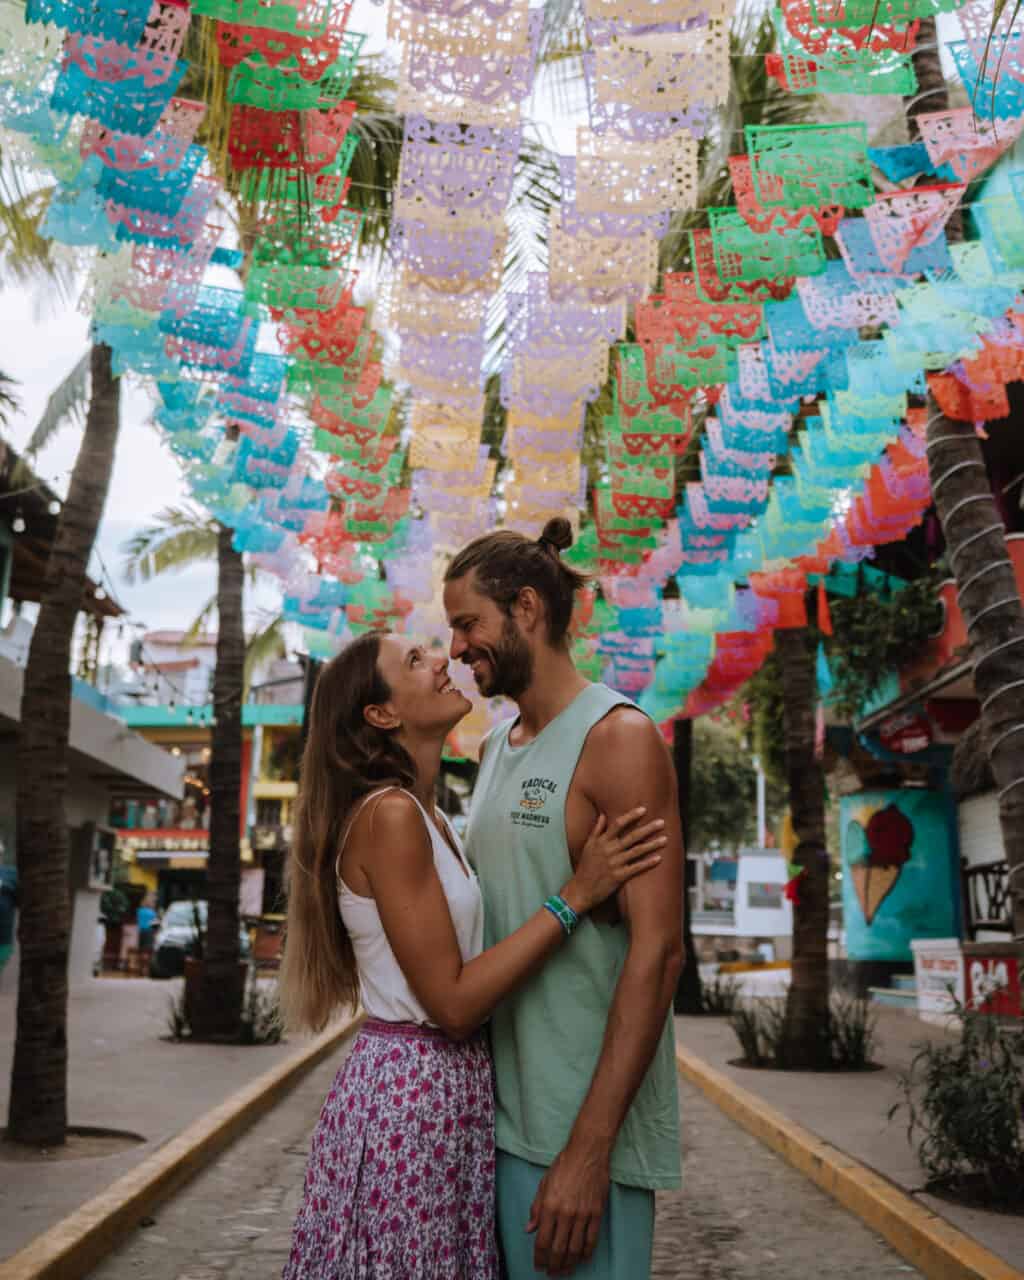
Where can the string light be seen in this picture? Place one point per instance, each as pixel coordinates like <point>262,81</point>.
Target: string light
<point>18,523</point>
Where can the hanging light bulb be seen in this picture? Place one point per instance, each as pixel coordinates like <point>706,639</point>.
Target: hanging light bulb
<point>54,507</point>
<point>188,715</point>
<point>18,523</point>
<point>100,594</point>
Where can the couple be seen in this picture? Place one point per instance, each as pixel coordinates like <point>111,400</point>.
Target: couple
<point>575,804</point>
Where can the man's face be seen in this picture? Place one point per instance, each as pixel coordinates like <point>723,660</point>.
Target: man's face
<point>487,640</point>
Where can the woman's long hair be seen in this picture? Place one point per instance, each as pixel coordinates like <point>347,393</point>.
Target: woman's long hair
<point>345,759</point>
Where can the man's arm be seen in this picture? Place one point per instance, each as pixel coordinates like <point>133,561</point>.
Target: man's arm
<point>624,764</point>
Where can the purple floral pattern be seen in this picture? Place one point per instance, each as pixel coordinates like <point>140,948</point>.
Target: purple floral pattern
<point>400,1179</point>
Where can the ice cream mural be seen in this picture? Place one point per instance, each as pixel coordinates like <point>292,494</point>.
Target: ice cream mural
<point>899,872</point>
<point>878,844</point>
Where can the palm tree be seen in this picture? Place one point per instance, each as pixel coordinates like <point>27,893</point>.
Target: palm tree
<point>804,1038</point>
<point>755,98</point>
<point>987,589</point>
<point>180,537</point>
<point>38,1103</point>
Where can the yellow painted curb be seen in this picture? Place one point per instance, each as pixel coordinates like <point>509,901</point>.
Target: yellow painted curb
<point>929,1242</point>
<point>73,1246</point>
<point>750,966</point>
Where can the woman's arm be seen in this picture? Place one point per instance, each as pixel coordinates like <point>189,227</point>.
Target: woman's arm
<point>393,847</point>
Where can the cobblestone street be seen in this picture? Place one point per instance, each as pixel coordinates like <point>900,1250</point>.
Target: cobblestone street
<point>743,1213</point>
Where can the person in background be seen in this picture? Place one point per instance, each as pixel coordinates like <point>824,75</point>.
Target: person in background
<point>146,918</point>
<point>8,911</point>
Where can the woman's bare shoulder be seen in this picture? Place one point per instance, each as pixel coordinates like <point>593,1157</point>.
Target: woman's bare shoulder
<point>391,820</point>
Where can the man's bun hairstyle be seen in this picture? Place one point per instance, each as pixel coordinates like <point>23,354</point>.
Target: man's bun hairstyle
<point>506,561</point>
<point>557,533</point>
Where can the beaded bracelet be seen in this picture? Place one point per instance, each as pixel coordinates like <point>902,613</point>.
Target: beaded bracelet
<point>563,913</point>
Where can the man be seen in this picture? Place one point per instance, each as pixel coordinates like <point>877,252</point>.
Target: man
<point>587,1116</point>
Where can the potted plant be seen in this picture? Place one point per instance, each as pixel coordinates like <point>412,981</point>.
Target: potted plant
<point>114,909</point>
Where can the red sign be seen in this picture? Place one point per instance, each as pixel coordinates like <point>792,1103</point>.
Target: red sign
<point>992,983</point>
<point>906,733</point>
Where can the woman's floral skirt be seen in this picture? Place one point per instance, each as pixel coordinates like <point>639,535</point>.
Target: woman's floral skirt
<point>400,1180</point>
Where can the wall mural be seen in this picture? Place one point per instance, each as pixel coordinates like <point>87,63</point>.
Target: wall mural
<point>899,872</point>
<point>876,851</point>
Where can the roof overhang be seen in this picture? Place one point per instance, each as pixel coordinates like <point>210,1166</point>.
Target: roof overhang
<point>101,745</point>
<point>955,681</point>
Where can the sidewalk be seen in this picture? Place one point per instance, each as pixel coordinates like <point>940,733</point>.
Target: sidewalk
<point>850,1112</point>
<point>121,1075</point>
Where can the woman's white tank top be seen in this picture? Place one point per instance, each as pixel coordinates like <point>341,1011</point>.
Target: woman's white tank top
<point>385,992</point>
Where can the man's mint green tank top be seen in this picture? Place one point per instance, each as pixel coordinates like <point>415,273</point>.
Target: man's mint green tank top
<point>546,1037</point>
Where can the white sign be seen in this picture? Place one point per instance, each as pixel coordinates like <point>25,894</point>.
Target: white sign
<point>938,976</point>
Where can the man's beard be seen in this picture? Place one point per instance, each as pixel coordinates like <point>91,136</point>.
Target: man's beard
<point>511,664</point>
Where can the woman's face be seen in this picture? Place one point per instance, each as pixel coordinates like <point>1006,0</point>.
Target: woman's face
<point>423,697</point>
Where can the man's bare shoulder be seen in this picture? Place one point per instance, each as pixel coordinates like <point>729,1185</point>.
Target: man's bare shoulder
<point>625,728</point>
<point>622,750</point>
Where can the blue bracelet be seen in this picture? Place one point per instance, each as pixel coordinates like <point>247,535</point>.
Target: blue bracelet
<point>563,913</point>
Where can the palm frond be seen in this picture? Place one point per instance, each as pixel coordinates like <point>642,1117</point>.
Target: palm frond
<point>536,190</point>
<point>263,646</point>
<point>8,401</point>
<point>26,255</point>
<point>374,168</point>
<point>178,538</point>
<point>201,622</point>
<point>206,80</point>
<point>563,39</point>
<point>68,402</point>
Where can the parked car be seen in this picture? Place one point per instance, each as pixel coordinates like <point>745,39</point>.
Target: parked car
<point>176,938</point>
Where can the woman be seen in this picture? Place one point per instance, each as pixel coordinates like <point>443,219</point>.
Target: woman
<point>382,908</point>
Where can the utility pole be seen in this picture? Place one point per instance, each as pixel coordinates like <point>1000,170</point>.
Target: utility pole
<point>762,824</point>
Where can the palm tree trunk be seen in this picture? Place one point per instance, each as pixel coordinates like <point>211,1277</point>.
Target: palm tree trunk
<point>38,1104</point>
<point>805,1034</point>
<point>219,1008</point>
<point>689,997</point>
<point>932,95</point>
<point>987,589</point>
<point>990,602</point>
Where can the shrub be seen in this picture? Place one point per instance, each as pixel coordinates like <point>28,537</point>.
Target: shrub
<point>262,1021</point>
<point>965,1105</point>
<point>847,1037</point>
<point>720,997</point>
